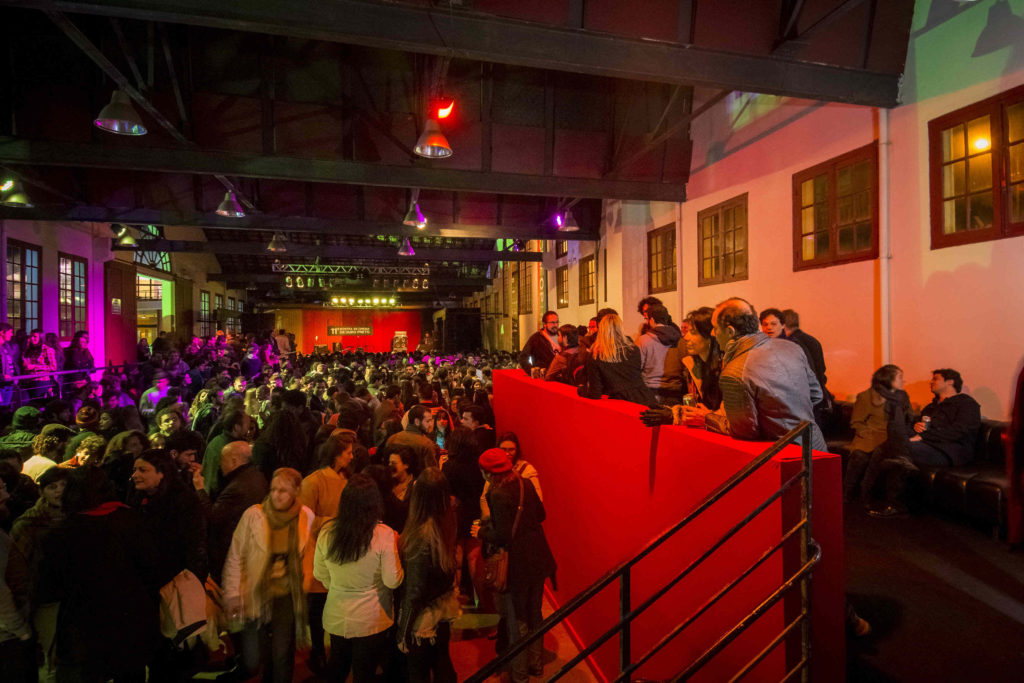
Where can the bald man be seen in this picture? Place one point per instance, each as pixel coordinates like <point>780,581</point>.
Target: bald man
<point>767,385</point>
<point>242,486</point>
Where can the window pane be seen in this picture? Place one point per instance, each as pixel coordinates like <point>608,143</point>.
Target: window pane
<point>953,179</point>
<point>953,143</point>
<point>979,137</point>
<point>821,244</point>
<point>846,240</point>
<point>821,189</point>
<point>863,240</point>
<point>727,264</point>
<point>1016,163</point>
<point>1016,201</point>
<point>807,193</point>
<point>980,170</point>
<point>1015,122</point>
<point>954,215</point>
<point>807,248</point>
<point>741,262</point>
<point>981,211</point>
<point>844,180</point>
<point>844,205</point>
<point>807,221</point>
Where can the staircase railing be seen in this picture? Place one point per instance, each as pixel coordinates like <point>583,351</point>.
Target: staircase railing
<point>810,556</point>
<point>23,389</point>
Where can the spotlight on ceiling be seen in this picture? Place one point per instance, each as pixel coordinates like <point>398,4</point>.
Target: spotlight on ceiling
<point>123,237</point>
<point>406,249</point>
<point>414,217</point>
<point>432,144</point>
<point>230,207</point>
<point>120,117</point>
<point>334,300</point>
<point>278,244</point>
<point>424,283</point>
<point>288,282</point>
<point>391,301</point>
<point>12,194</point>
<point>415,283</point>
<point>569,224</point>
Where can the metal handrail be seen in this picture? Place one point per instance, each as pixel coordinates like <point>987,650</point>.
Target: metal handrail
<point>109,367</point>
<point>809,560</point>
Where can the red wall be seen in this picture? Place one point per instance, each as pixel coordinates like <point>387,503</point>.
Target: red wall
<point>611,485</point>
<point>384,323</point>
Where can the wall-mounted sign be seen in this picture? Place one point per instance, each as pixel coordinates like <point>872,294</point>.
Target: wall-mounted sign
<point>349,331</point>
<point>115,307</point>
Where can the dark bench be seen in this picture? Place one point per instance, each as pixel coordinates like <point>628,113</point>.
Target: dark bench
<point>979,491</point>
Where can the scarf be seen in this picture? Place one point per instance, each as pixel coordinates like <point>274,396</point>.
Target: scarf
<point>279,519</point>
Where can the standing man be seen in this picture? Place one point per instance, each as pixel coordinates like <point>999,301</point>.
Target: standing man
<point>815,356</point>
<point>541,347</point>
<point>767,386</point>
<point>421,423</point>
<point>659,356</point>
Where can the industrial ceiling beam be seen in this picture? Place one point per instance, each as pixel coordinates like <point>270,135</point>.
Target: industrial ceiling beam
<point>161,160</point>
<point>248,279</point>
<point>326,251</point>
<point>286,224</point>
<point>489,38</point>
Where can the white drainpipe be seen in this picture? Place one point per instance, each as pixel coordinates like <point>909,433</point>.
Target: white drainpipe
<point>884,234</point>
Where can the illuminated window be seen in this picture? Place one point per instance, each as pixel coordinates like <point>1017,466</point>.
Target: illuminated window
<point>588,280</point>
<point>562,286</point>
<point>513,293</point>
<point>661,259</point>
<point>722,242</point>
<point>526,288</point>
<point>72,295</point>
<point>23,310</point>
<point>158,260</point>
<point>561,248</point>
<point>977,171</point>
<point>835,210</point>
<point>205,322</point>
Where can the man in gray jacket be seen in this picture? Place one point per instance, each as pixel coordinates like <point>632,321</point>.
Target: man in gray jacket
<point>767,385</point>
<point>659,358</point>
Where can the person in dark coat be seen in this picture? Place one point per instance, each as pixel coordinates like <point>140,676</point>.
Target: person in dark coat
<point>171,514</point>
<point>243,485</point>
<point>467,485</point>
<point>530,561</point>
<point>100,565</point>
<point>612,366</point>
<point>541,347</point>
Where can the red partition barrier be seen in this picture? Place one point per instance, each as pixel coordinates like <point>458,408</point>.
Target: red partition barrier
<point>611,485</point>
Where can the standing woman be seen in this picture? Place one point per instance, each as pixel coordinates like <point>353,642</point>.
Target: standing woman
<point>171,514</point>
<point>612,366</point>
<point>515,525</point>
<point>321,493</point>
<point>78,357</point>
<point>357,560</point>
<point>38,358</point>
<point>430,601</point>
<point>264,576</point>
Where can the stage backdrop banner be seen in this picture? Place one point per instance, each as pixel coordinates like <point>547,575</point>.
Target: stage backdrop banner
<point>349,331</point>
<point>319,324</point>
<point>611,485</point>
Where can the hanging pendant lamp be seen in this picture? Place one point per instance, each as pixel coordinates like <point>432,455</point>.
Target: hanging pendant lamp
<point>119,116</point>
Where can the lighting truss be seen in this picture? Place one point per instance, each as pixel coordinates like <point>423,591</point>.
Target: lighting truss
<point>349,269</point>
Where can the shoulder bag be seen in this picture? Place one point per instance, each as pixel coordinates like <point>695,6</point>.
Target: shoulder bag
<point>496,565</point>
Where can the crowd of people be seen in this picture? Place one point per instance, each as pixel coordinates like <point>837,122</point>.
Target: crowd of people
<point>230,502</point>
<point>347,505</point>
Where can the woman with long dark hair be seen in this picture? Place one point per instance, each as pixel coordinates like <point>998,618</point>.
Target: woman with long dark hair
<point>702,363</point>
<point>467,484</point>
<point>281,444</point>
<point>357,560</point>
<point>881,422</point>
<point>321,493</point>
<point>429,597</point>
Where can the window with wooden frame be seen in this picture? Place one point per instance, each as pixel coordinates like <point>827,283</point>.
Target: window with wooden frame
<point>513,293</point>
<point>526,288</point>
<point>835,210</point>
<point>561,248</point>
<point>23,300</point>
<point>562,286</point>
<point>205,322</point>
<point>976,168</point>
<point>73,298</point>
<point>722,242</point>
<point>588,280</point>
<point>661,259</point>
<point>505,285</point>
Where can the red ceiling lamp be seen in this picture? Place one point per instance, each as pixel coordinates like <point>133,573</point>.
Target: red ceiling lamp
<point>432,144</point>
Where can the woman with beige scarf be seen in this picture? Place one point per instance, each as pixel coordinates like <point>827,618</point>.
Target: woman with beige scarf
<point>263,580</point>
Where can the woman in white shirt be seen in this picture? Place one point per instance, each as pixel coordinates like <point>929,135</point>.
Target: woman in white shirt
<point>357,560</point>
